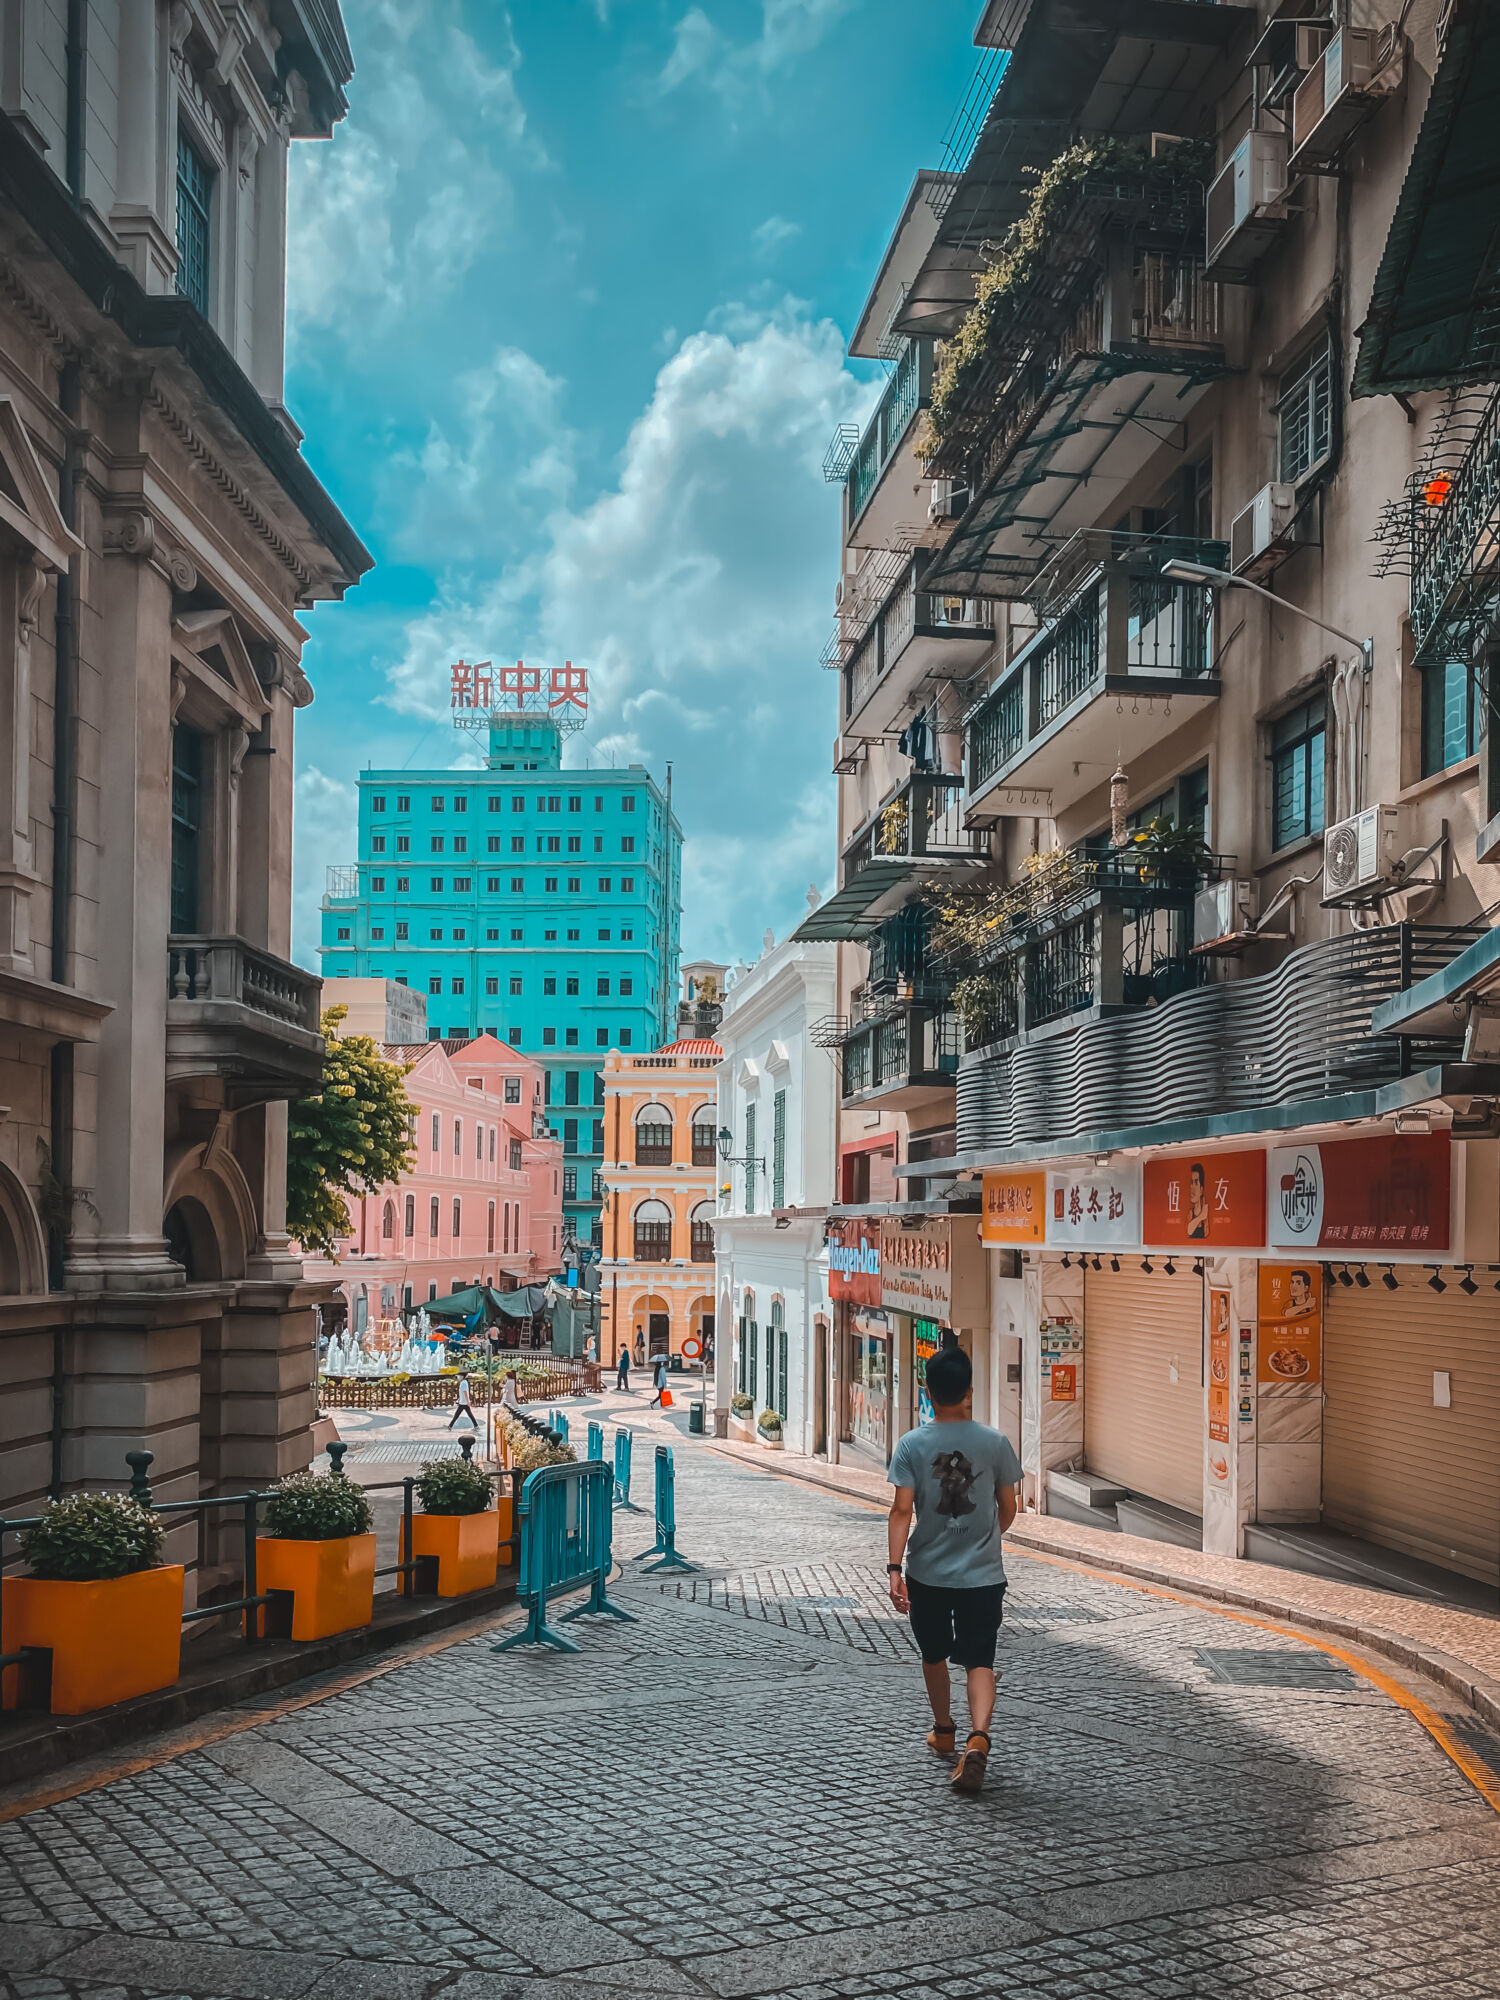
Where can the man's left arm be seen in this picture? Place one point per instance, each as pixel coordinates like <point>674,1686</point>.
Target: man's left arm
<point>1006,1502</point>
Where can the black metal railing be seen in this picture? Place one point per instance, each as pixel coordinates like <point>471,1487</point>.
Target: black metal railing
<point>911,1045</point>
<point>906,610</point>
<point>900,400</point>
<point>1298,1034</point>
<point>1060,972</point>
<point>1067,658</point>
<point>922,820</point>
<point>1453,540</point>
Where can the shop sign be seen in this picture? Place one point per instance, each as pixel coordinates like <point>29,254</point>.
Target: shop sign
<point>1220,1378</point>
<point>1291,1325</point>
<point>1213,1198</point>
<point>1015,1208</point>
<point>1361,1195</point>
<point>1062,1348</point>
<point>916,1267</point>
<point>1100,1207</point>
<point>854,1262</point>
<point>1064,1382</point>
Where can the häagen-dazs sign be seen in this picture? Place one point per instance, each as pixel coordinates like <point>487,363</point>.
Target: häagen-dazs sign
<point>916,1267</point>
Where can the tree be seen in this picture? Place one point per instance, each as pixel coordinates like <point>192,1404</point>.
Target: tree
<point>352,1136</point>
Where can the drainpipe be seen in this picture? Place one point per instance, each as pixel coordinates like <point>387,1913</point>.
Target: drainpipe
<point>77,66</point>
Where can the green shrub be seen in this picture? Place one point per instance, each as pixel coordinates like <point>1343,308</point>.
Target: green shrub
<point>89,1536</point>
<point>741,1405</point>
<point>309,1508</point>
<point>454,1486</point>
<point>769,1423</point>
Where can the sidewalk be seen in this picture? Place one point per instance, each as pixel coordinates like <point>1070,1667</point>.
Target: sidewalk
<point>1459,1649</point>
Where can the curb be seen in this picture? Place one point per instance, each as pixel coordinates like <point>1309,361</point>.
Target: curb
<point>1478,1691</point>
<point>42,1744</point>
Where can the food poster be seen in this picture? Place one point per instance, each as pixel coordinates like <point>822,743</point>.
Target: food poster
<point>1220,1382</point>
<point>1291,1326</point>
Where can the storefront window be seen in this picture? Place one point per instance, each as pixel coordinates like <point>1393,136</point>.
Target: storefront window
<point>924,1344</point>
<point>869,1390</point>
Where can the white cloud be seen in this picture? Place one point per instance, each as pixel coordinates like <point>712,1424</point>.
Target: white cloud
<point>789,28</point>
<point>324,815</point>
<point>771,234</point>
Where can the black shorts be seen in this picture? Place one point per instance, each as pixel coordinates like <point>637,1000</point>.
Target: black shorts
<point>957,1625</point>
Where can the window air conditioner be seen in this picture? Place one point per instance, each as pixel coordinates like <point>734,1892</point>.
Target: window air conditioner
<point>838,595</point>
<point>1360,855</point>
<point>1246,204</point>
<point>1261,534</point>
<point>1337,95</point>
<point>1222,911</point>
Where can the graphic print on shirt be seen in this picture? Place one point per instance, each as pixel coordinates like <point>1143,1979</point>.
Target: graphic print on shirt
<point>955,1475</point>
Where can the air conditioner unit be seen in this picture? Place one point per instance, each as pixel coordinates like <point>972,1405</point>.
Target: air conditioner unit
<point>838,595</point>
<point>940,506</point>
<point>1261,534</point>
<point>1338,94</point>
<point>1223,912</point>
<point>1360,855</point>
<point>1246,204</point>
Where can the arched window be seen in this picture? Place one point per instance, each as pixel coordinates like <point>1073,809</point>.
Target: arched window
<point>458,1137</point>
<point>705,1135</point>
<point>492,1145</point>
<point>653,1233</point>
<point>411,1215</point>
<point>490,1231</point>
<point>432,1222</point>
<point>653,1136</point>
<point>388,1221</point>
<point>702,1233</point>
<point>506,1220</point>
<point>458,1219</point>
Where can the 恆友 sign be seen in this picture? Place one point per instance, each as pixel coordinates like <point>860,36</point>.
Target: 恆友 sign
<point>1218,1199</point>
<point>1359,1196</point>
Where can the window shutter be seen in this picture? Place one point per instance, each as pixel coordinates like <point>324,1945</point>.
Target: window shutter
<point>778,1151</point>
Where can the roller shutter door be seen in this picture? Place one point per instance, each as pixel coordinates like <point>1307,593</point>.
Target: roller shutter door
<point>1396,1470</point>
<point>1140,1428</point>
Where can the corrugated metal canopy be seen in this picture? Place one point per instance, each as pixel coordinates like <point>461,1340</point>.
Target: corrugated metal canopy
<point>1124,67</point>
<point>1434,315</point>
<point>850,914</point>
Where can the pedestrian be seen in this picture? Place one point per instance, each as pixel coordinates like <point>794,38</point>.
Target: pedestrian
<point>465,1404</point>
<point>622,1368</point>
<point>509,1400</point>
<point>659,1379</point>
<point>960,1478</point>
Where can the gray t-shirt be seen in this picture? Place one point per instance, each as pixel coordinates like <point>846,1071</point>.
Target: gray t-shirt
<point>954,1470</point>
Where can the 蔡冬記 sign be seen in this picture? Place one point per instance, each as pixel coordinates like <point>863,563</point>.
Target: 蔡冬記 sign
<point>1100,1206</point>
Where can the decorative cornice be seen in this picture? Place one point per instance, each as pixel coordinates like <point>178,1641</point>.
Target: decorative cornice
<point>229,486</point>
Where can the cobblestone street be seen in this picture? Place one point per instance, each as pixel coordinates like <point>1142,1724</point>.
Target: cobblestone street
<point>732,1796</point>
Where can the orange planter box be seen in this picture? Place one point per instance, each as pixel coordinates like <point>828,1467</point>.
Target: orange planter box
<point>109,1640</point>
<point>467,1547</point>
<point>332,1583</point>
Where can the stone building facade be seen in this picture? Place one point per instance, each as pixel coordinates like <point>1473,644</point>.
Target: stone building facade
<point>161,534</point>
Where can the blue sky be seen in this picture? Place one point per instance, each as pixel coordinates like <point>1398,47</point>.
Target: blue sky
<point>568,295</point>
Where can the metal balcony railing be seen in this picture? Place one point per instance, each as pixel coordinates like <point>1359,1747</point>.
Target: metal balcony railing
<point>1455,547</point>
<point>913,1046</point>
<point>903,396</point>
<point>896,621</point>
<point>1301,1033</point>
<point>342,884</point>
<point>922,820</point>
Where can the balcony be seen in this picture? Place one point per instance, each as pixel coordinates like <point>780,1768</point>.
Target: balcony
<point>913,635</point>
<point>237,1013</point>
<point>1233,1050</point>
<point>1455,548</point>
<point>903,1060</point>
<point>1119,643</point>
<point>1087,367</point>
<point>916,835</point>
<point>904,394</point>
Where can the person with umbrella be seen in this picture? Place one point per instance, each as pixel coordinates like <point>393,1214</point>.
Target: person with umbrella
<point>658,1379</point>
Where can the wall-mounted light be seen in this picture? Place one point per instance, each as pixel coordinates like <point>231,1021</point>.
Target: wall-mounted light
<point>1170,1268</point>
<point>1391,1282</point>
<point>1098,1266</point>
<point>1466,1282</point>
<point>1114,1265</point>
<point>1067,1261</point>
<point>1346,1278</point>
<point>1146,1265</point>
<point>1435,1282</point>
<point>1362,1278</point>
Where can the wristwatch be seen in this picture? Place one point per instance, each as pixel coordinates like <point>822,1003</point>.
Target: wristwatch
<point>893,1569</point>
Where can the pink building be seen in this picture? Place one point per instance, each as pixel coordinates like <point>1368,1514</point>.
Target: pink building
<point>483,1203</point>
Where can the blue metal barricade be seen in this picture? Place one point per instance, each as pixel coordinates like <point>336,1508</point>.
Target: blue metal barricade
<point>596,1442</point>
<point>666,1515</point>
<point>622,1472</point>
<point>566,1523</point>
<point>559,1423</point>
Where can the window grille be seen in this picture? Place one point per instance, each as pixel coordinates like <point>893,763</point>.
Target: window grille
<point>195,194</point>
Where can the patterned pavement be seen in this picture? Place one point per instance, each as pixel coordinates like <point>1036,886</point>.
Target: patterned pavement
<point>732,1797</point>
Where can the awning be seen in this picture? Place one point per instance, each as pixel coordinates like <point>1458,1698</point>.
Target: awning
<point>1438,1004</point>
<point>1434,315</point>
<point>857,911</point>
<point>464,1304</point>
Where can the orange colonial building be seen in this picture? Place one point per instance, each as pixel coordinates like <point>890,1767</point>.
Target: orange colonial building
<point>661,1172</point>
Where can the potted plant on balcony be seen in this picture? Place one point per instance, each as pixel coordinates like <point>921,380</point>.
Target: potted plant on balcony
<point>1171,857</point>
<point>458,1527</point>
<point>320,1550</point>
<point>741,1418</point>
<point>768,1427</point>
<point>99,1599</point>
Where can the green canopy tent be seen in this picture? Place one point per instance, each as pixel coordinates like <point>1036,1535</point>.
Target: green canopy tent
<point>482,1305</point>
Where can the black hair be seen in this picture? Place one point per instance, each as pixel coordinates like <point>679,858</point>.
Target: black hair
<point>949,1376</point>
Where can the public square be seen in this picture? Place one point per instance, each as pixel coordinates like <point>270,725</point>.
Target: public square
<point>732,1796</point>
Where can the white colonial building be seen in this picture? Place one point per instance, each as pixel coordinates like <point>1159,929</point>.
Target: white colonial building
<point>778,1100</point>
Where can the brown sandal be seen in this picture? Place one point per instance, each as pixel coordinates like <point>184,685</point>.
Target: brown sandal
<point>968,1774</point>
<point>940,1738</point>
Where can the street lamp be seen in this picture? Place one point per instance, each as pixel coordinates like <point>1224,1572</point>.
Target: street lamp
<point>1182,571</point>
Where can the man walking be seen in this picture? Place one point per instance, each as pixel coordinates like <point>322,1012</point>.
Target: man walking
<point>465,1405</point>
<point>659,1379</point>
<point>960,1478</point>
<point>622,1367</point>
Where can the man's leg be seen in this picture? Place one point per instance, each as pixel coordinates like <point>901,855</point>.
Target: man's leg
<point>939,1687</point>
<point>981,1691</point>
